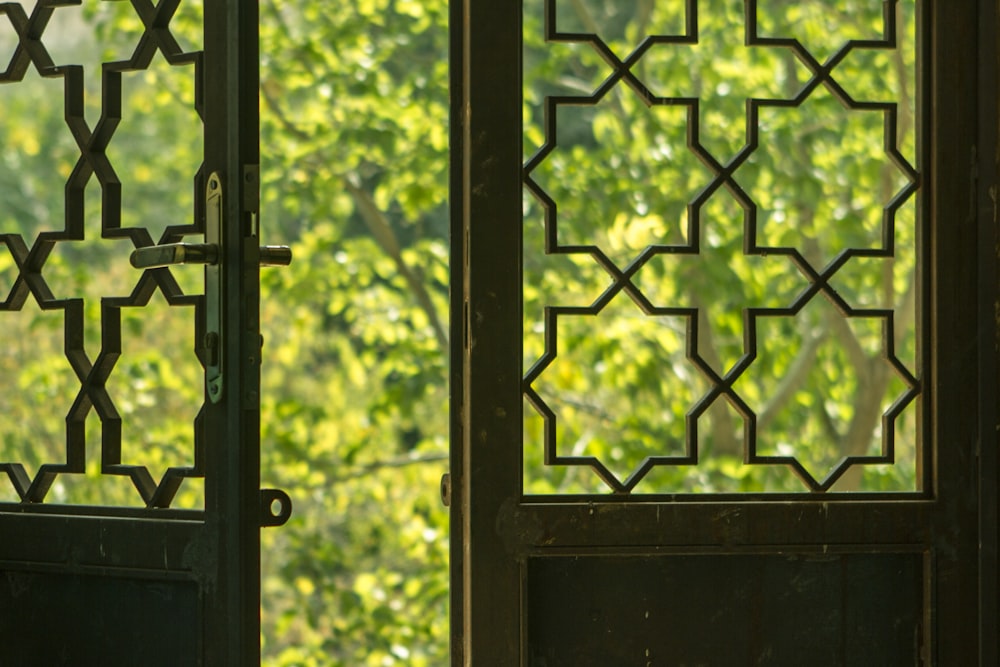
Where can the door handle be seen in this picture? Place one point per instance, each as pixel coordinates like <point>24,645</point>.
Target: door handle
<point>156,256</point>
<point>210,255</point>
<point>275,255</point>
<point>168,254</point>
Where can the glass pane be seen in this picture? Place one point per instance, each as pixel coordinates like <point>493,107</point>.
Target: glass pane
<point>720,243</point>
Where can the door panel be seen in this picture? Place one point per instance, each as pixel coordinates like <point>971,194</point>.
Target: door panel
<point>124,577</point>
<point>564,519</point>
<point>47,627</point>
<point>761,609</point>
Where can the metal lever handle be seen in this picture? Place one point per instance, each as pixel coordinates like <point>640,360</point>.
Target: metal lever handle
<point>275,255</point>
<point>155,256</point>
<point>169,254</point>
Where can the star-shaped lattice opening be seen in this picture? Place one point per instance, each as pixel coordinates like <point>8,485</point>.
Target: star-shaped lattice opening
<point>839,186</point>
<point>618,198</point>
<point>826,390</point>
<point>615,387</point>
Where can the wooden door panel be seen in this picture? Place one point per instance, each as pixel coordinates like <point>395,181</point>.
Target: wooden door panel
<point>733,609</point>
<point>57,618</point>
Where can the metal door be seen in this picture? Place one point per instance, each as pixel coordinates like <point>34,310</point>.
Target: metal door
<point>144,584</point>
<point>651,570</point>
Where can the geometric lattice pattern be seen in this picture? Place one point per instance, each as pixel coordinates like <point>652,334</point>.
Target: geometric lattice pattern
<point>93,167</point>
<point>758,314</point>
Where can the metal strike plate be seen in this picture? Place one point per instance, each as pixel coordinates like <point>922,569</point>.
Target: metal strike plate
<point>214,375</point>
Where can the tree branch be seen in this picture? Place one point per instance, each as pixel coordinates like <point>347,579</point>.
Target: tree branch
<point>382,232</point>
<point>792,381</point>
<point>377,223</point>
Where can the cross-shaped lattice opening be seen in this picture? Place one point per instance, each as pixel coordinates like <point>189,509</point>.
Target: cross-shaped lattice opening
<point>822,27</point>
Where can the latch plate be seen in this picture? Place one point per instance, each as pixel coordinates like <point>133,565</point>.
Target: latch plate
<point>213,290</point>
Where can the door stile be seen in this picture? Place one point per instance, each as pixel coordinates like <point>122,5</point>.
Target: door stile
<point>490,165</point>
<point>456,305</point>
<point>952,127</point>
<point>232,484</point>
<point>988,332</point>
